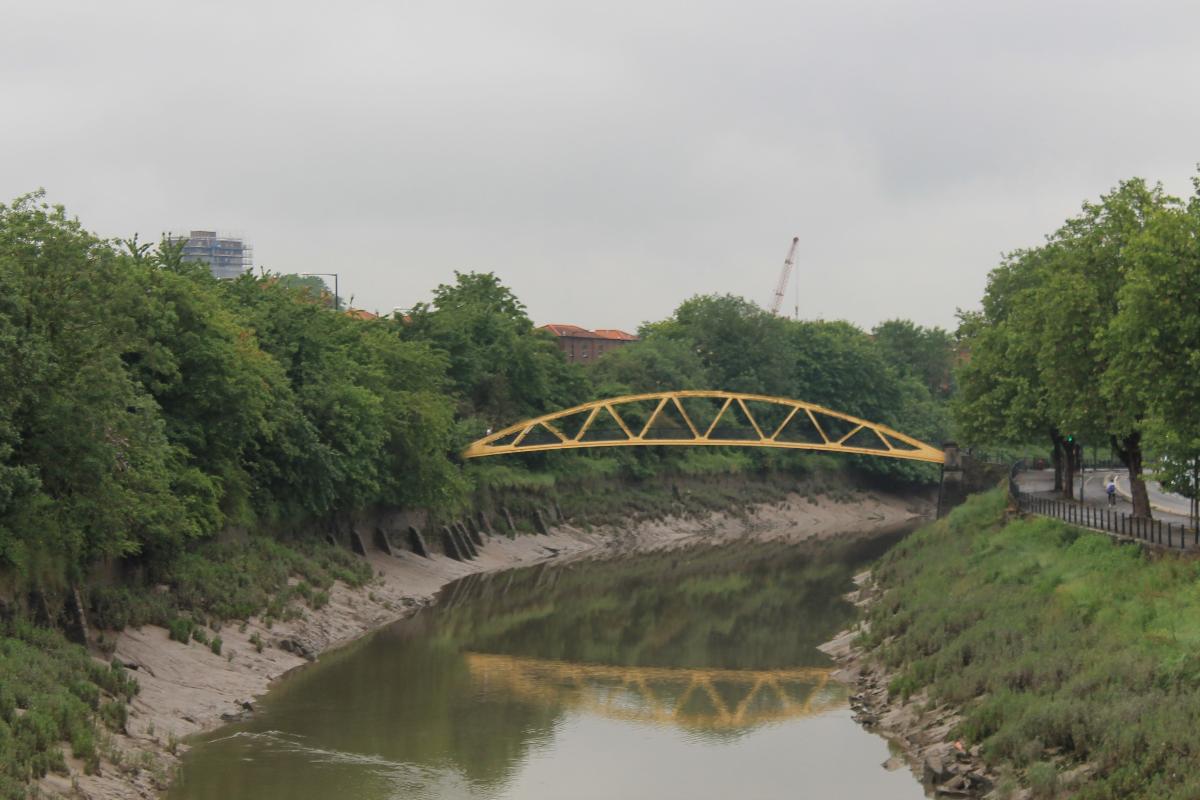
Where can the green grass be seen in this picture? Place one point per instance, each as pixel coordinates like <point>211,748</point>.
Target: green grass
<point>55,698</point>
<point>1060,645</point>
<point>52,694</point>
<point>231,580</point>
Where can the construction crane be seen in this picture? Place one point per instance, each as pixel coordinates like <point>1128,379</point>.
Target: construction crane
<point>784,274</point>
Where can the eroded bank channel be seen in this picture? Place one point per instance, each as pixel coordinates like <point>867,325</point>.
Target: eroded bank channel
<point>679,673</point>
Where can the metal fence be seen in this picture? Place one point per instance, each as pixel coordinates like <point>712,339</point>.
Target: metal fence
<point>1154,532</point>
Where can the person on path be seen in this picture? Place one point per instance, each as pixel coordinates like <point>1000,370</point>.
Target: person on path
<point>1111,489</point>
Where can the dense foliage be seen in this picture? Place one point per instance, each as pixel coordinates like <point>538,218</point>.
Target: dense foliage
<point>1092,338</point>
<point>145,405</point>
<point>1063,648</point>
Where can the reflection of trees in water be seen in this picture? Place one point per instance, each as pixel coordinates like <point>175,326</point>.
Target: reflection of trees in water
<point>744,606</point>
<point>722,639</point>
<point>717,701</point>
<point>402,698</point>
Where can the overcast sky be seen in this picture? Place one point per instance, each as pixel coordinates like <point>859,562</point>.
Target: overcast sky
<point>607,160</point>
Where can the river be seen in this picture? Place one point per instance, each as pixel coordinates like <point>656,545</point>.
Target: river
<point>684,674</point>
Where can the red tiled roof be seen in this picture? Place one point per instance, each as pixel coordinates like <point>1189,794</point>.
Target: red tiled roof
<point>571,330</point>
<point>613,333</point>
<point>360,313</point>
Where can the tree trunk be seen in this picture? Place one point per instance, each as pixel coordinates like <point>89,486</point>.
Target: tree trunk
<point>1057,458</point>
<point>1196,494</point>
<point>1129,450</point>
<point>1070,456</point>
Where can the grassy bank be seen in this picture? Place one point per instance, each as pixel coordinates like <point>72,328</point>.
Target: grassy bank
<point>57,700</point>
<point>54,699</point>
<point>1062,648</point>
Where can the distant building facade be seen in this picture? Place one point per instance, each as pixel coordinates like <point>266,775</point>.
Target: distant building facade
<point>582,346</point>
<point>226,256</point>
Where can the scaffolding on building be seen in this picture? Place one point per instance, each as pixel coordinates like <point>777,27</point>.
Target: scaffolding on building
<point>227,255</point>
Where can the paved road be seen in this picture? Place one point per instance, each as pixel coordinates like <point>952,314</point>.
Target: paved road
<point>1167,507</point>
<point>1160,500</point>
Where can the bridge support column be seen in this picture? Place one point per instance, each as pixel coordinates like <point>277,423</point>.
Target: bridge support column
<point>952,490</point>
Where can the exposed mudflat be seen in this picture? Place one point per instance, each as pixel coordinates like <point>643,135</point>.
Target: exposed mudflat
<point>186,690</point>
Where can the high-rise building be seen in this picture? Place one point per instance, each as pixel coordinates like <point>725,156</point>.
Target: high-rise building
<point>226,256</point>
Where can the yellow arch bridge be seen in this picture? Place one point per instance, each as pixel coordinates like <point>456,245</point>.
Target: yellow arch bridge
<point>703,418</point>
<point>706,699</point>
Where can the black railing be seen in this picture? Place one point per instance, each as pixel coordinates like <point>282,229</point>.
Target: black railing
<point>1174,535</point>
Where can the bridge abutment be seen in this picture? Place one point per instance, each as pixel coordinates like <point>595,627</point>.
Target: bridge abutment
<point>963,476</point>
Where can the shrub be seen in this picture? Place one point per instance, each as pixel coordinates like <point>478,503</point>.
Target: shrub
<point>180,630</point>
<point>62,692</point>
<point>37,729</point>
<point>215,646</point>
<point>903,686</point>
<point>1043,780</point>
<point>115,715</point>
<point>83,745</point>
<point>8,704</point>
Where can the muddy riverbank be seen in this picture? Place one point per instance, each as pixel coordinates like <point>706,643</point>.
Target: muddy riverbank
<point>187,689</point>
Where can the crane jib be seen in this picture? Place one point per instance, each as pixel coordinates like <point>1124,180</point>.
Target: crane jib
<point>784,274</point>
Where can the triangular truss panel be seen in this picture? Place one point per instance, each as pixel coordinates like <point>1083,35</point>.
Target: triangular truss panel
<point>703,419</point>
<point>706,699</point>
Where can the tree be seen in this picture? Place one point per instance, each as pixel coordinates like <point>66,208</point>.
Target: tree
<point>652,364</point>
<point>837,365</point>
<point>1153,341</point>
<point>500,368</point>
<point>925,353</point>
<point>85,455</point>
<point>359,416</point>
<point>1087,394</point>
<point>741,347</point>
<point>1062,298</point>
<point>1002,398</point>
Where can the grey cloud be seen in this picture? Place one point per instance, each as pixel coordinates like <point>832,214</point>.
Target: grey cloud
<point>607,160</point>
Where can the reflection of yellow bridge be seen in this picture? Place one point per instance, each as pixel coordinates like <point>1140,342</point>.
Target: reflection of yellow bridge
<point>711,699</point>
<point>701,418</point>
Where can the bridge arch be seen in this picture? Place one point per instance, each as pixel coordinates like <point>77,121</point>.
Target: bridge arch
<point>730,699</point>
<point>702,419</point>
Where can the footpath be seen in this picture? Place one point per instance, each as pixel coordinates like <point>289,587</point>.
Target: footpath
<point>1170,528</point>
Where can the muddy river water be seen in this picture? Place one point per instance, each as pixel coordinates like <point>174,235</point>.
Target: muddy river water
<point>686,674</point>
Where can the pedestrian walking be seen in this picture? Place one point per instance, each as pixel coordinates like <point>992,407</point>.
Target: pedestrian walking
<point>1111,490</point>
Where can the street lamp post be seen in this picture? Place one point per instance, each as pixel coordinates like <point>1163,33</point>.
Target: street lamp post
<point>333,275</point>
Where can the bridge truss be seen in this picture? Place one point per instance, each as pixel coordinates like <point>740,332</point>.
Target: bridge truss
<point>710,699</point>
<point>703,418</point>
